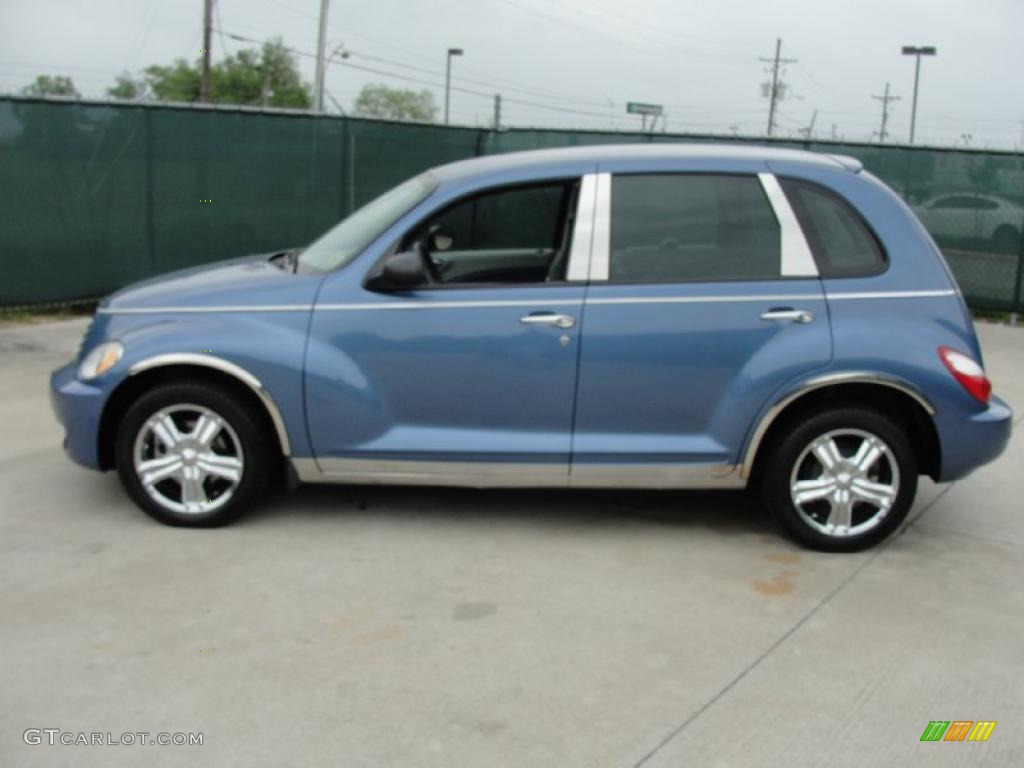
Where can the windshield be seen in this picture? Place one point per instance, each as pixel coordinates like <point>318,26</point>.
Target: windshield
<point>348,239</point>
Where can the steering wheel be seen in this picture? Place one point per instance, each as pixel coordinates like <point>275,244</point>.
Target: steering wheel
<point>429,267</point>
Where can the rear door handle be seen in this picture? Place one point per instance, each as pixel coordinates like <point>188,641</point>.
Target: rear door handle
<point>788,315</point>
<point>548,318</point>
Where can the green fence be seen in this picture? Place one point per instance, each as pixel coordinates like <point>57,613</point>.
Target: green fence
<point>95,195</point>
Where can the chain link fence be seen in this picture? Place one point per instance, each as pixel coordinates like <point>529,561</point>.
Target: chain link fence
<point>96,195</point>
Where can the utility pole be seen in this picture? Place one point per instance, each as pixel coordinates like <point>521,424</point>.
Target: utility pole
<point>204,84</point>
<point>774,86</point>
<point>918,52</point>
<point>497,111</point>
<point>321,64</point>
<point>808,132</point>
<point>885,99</point>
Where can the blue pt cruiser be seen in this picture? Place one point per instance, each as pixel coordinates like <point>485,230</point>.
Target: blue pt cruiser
<point>663,316</point>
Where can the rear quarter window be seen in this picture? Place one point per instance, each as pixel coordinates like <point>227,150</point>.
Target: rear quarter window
<point>842,243</point>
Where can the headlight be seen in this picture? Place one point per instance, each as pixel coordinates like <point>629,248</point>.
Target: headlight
<point>100,360</point>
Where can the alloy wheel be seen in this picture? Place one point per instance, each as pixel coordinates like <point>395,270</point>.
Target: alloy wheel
<point>845,482</point>
<point>188,459</point>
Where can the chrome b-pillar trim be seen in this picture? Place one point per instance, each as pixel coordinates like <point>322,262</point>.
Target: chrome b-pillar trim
<point>583,230</point>
<point>232,369</point>
<point>820,382</point>
<point>797,260</point>
<point>600,249</point>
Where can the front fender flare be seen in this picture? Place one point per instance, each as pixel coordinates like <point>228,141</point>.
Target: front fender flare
<point>224,366</point>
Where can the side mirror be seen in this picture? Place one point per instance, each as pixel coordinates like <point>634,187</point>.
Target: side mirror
<point>399,272</point>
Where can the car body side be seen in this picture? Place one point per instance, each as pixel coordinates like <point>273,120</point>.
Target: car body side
<point>251,323</point>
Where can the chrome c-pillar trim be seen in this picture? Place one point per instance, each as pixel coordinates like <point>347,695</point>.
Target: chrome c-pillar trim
<point>583,231</point>
<point>219,364</point>
<point>820,382</point>
<point>483,474</point>
<point>600,250</point>
<point>797,260</point>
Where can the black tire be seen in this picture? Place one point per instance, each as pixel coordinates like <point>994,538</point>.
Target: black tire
<point>257,450</point>
<point>792,444</point>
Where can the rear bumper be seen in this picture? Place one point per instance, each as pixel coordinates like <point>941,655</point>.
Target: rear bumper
<point>974,440</point>
<point>78,407</point>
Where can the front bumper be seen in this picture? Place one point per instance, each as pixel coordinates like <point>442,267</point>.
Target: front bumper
<point>974,440</point>
<point>78,407</point>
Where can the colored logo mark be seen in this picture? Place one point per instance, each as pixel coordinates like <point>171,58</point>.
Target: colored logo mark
<point>958,730</point>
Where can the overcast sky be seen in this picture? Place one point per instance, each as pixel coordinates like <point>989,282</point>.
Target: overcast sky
<point>575,63</point>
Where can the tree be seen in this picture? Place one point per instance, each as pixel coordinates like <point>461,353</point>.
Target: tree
<point>175,82</point>
<point>128,88</point>
<point>58,85</point>
<point>268,76</point>
<point>377,100</point>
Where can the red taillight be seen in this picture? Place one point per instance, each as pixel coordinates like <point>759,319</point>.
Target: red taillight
<point>970,375</point>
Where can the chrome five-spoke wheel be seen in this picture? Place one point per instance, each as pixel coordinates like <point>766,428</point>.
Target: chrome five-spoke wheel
<point>195,452</point>
<point>188,459</point>
<point>845,482</point>
<point>840,478</point>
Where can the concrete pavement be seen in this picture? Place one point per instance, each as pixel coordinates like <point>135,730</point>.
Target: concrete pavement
<point>435,627</point>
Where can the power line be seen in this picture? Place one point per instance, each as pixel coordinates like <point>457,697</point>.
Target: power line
<point>507,85</point>
<point>420,81</point>
<point>657,35</point>
<point>666,48</point>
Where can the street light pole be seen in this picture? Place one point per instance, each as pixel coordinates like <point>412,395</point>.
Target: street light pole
<point>448,80</point>
<point>917,52</point>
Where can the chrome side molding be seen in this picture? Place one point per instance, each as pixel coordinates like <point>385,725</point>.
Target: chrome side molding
<point>232,369</point>
<point>484,474</point>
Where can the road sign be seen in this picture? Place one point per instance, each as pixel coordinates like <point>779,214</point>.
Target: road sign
<point>636,108</point>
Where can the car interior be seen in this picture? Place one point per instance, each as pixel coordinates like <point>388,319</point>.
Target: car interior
<point>511,235</point>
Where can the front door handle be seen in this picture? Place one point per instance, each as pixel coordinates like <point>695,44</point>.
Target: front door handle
<point>548,318</point>
<point>788,315</point>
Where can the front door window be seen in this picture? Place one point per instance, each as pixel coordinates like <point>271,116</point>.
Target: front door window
<point>509,235</point>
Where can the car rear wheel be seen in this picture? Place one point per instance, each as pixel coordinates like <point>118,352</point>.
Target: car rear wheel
<point>841,480</point>
<point>190,454</point>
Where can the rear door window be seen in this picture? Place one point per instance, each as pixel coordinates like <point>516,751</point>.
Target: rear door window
<point>668,228</point>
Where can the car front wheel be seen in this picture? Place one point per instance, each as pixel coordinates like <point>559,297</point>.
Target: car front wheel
<point>190,454</point>
<point>841,480</point>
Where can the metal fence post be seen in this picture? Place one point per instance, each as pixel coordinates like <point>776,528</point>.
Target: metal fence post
<point>343,171</point>
<point>1018,279</point>
<point>147,121</point>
